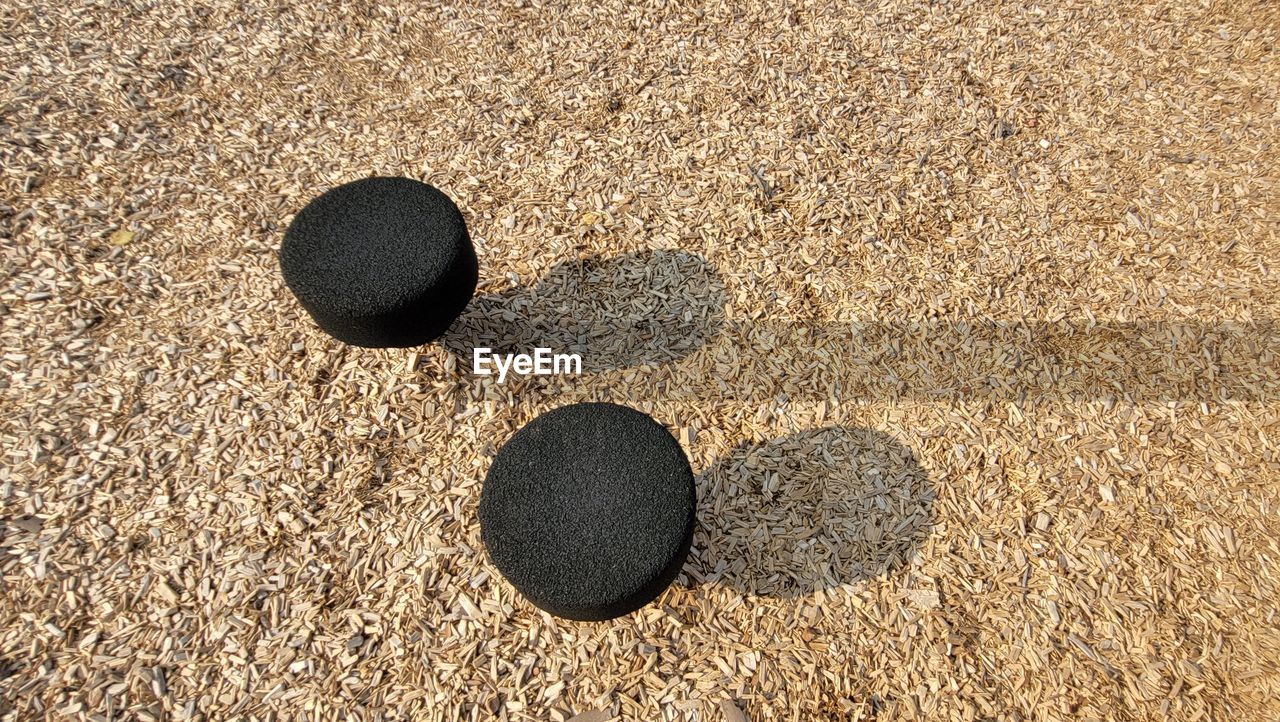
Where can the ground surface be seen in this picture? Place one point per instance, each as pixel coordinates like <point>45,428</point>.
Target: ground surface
<point>964,312</point>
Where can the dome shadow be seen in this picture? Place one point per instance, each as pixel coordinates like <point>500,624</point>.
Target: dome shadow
<point>647,307</point>
<point>811,511</point>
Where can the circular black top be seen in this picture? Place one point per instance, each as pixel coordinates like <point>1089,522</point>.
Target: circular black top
<point>589,510</point>
<point>378,260</point>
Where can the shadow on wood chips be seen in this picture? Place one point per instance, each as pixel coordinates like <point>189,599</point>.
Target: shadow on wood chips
<point>660,307</point>
<point>811,511</point>
<point>647,307</point>
<point>1019,360</point>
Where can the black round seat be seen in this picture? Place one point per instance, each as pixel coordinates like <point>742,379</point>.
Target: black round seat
<point>381,262</point>
<point>588,511</point>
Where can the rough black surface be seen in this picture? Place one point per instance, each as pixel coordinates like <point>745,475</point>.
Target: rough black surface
<point>589,510</point>
<point>381,262</point>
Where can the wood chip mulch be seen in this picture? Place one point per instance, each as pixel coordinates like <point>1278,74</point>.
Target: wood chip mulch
<point>964,311</point>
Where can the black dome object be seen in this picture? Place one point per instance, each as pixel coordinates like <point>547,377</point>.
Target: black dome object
<point>381,262</point>
<point>589,510</point>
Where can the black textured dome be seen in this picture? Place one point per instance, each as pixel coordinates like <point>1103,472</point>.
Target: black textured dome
<point>589,510</point>
<point>380,262</point>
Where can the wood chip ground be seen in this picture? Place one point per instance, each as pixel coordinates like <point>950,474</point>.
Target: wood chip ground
<point>964,311</point>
